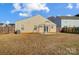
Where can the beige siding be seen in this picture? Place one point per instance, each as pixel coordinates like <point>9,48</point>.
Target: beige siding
<point>52,28</point>
<point>28,24</point>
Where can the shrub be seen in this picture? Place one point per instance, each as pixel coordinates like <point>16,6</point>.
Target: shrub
<point>66,29</point>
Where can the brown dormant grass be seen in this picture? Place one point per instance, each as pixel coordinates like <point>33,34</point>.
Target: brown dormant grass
<point>33,44</point>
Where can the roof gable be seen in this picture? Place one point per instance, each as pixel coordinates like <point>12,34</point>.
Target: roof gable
<point>33,18</point>
<point>38,19</point>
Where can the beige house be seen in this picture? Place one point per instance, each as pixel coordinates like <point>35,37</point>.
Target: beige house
<point>35,24</point>
<point>64,21</point>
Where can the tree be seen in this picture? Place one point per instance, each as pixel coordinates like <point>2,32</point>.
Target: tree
<point>77,15</point>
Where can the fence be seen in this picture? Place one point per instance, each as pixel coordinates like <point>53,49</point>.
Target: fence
<point>7,29</point>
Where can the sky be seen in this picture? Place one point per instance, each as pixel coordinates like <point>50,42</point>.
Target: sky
<point>12,12</point>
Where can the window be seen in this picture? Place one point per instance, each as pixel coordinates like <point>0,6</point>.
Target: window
<point>51,26</point>
<point>45,28</point>
<point>40,26</point>
<point>35,27</point>
<point>22,27</point>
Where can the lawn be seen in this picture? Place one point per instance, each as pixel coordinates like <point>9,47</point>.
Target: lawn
<point>39,44</point>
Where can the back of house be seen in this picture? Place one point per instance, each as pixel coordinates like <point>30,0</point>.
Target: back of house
<point>35,24</point>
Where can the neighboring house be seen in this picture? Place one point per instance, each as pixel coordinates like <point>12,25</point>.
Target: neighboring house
<point>69,21</point>
<point>7,28</point>
<point>35,24</point>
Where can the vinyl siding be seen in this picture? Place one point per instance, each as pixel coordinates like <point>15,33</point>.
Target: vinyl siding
<point>70,23</point>
<point>29,23</point>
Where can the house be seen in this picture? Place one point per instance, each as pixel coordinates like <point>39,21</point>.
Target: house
<point>7,28</point>
<point>69,21</point>
<point>62,21</point>
<point>42,25</point>
<point>35,24</point>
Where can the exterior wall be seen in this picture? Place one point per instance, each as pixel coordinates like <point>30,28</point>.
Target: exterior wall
<point>41,30</point>
<point>70,23</point>
<point>28,25</point>
<point>53,29</point>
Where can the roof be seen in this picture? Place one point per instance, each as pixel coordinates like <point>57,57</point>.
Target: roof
<point>31,18</point>
<point>63,17</point>
<point>7,24</point>
<point>55,20</point>
<point>11,24</point>
<point>1,23</point>
<point>38,19</point>
<point>69,17</point>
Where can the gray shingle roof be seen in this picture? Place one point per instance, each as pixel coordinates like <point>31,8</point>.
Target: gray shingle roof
<point>69,17</point>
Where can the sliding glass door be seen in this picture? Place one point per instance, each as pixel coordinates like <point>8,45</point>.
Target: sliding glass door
<point>45,28</point>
